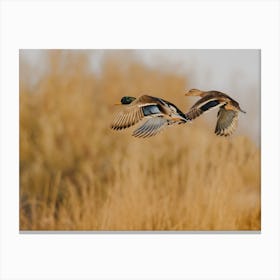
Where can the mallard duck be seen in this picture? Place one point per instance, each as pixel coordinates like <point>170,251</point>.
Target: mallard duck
<point>158,112</point>
<point>227,114</point>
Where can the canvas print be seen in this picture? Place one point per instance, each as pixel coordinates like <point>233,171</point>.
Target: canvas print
<point>140,140</point>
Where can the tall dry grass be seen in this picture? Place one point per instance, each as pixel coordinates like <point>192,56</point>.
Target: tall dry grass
<point>77,174</point>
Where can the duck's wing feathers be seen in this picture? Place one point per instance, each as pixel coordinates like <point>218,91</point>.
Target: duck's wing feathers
<point>151,127</point>
<point>203,105</point>
<point>144,106</point>
<point>227,122</point>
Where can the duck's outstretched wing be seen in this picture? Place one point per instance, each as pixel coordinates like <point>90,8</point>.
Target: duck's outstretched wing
<point>135,112</point>
<point>227,122</point>
<point>151,127</point>
<point>205,104</point>
<point>127,117</point>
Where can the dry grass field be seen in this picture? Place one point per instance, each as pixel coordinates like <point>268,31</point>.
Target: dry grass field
<point>78,174</point>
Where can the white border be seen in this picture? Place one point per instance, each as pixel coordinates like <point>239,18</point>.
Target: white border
<point>154,24</point>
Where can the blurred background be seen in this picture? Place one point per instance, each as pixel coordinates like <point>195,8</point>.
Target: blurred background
<point>77,174</point>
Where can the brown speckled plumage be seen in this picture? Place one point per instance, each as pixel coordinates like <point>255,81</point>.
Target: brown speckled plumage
<point>227,114</point>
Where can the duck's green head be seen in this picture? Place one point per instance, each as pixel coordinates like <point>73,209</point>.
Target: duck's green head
<point>127,99</point>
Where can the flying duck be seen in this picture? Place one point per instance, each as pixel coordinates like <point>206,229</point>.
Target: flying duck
<point>227,114</point>
<point>157,112</point>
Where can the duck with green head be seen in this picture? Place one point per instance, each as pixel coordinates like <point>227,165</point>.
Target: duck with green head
<point>158,113</point>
